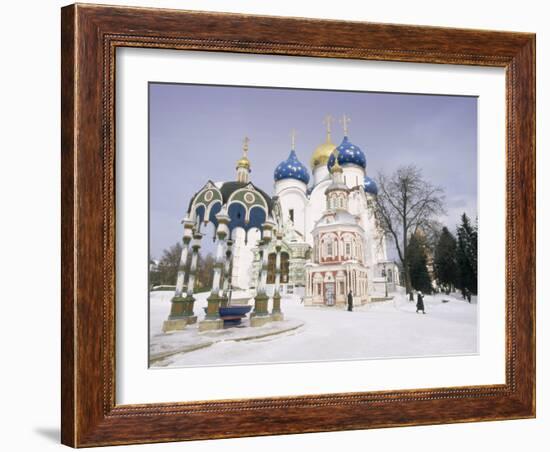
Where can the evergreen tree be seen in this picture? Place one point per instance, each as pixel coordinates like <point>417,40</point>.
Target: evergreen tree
<point>467,255</point>
<point>445,265</point>
<point>418,270</point>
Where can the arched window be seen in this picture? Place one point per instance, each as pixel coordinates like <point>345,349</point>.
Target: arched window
<point>271,268</point>
<point>348,249</point>
<point>329,248</point>
<point>285,267</point>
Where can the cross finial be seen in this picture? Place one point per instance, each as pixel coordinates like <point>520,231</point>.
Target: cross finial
<point>328,121</point>
<point>336,168</point>
<point>293,138</point>
<point>345,122</point>
<point>245,146</point>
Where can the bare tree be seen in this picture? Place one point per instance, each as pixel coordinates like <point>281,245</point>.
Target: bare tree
<point>168,265</point>
<point>406,204</point>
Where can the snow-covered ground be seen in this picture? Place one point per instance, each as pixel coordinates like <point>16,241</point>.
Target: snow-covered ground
<point>388,329</point>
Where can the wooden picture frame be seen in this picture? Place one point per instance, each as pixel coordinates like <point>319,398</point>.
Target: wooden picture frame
<point>90,35</point>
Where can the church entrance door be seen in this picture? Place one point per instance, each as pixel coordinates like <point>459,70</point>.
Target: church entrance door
<point>329,294</point>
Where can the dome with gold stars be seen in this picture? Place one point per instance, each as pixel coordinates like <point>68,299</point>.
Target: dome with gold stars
<point>348,153</point>
<point>291,168</point>
<point>370,186</point>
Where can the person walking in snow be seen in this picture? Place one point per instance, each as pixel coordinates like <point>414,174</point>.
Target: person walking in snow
<point>420,303</point>
<point>350,301</point>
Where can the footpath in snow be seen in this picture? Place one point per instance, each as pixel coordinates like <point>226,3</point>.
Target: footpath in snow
<point>390,329</point>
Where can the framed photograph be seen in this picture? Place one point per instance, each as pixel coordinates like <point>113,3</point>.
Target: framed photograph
<point>282,225</point>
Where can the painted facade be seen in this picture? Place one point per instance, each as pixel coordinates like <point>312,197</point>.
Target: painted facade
<point>338,268</point>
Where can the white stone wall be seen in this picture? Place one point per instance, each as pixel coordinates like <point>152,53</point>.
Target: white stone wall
<point>315,207</point>
<point>292,196</point>
<point>243,257</point>
<point>319,174</point>
<point>353,175</point>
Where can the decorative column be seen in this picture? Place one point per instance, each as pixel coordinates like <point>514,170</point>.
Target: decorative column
<point>227,273</point>
<point>276,313</point>
<point>187,236</point>
<point>260,316</point>
<point>179,312</point>
<point>212,320</point>
<point>197,236</point>
<point>189,299</point>
<point>345,284</point>
<point>355,288</point>
<point>348,282</point>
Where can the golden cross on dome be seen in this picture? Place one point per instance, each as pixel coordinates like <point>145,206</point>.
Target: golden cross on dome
<point>336,167</point>
<point>345,121</point>
<point>328,121</point>
<point>293,134</point>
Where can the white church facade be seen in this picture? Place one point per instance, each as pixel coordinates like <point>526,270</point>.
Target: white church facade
<point>328,249</point>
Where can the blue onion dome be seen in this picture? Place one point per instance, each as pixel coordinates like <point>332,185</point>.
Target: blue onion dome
<point>291,168</point>
<point>348,153</point>
<point>370,186</point>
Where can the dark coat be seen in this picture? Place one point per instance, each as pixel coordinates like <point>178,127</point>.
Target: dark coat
<point>419,303</point>
<point>350,301</point>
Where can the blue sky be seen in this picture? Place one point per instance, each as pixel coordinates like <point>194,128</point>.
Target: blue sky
<point>196,133</point>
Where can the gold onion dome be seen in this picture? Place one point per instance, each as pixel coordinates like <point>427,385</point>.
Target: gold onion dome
<point>243,162</point>
<point>322,153</point>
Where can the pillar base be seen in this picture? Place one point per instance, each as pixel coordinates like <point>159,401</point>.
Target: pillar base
<point>209,325</point>
<point>191,319</point>
<point>277,316</point>
<point>276,313</point>
<point>260,305</point>
<point>213,307</point>
<point>224,302</point>
<point>260,320</point>
<point>174,325</point>
<point>182,307</point>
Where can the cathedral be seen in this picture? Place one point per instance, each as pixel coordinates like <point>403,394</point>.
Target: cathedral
<point>316,235</point>
<point>331,223</point>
